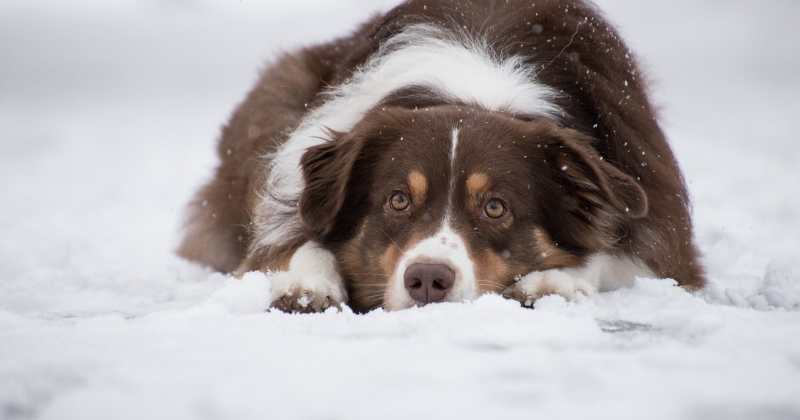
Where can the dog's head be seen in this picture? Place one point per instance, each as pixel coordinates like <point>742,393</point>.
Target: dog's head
<point>447,203</point>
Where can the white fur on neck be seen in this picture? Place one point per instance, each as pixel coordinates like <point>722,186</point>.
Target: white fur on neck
<point>456,66</point>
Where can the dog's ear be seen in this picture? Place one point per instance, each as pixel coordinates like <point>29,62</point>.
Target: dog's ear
<point>328,169</point>
<point>594,193</point>
<point>590,173</point>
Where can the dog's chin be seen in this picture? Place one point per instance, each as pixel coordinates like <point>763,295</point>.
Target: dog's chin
<point>404,301</point>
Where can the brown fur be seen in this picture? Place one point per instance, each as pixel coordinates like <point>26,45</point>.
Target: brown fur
<point>493,271</point>
<point>217,229</point>
<point>601,179</point>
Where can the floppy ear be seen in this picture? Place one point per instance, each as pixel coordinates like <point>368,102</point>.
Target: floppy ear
<point>597,197</point>
<point>327,170</point>
<point>591,175</point>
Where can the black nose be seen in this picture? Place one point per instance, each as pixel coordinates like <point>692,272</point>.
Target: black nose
<point>428,283</point>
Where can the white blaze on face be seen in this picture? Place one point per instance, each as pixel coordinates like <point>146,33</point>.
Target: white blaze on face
<point>444,247</point>
<point>452,190</point>
<point>454,138</point>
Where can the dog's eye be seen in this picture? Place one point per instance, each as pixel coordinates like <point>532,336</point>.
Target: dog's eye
<point>399,202</point>
<point>494,209</point>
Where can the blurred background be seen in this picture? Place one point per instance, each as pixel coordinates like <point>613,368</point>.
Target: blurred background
<point>109,110</point>
<point>109,115</point>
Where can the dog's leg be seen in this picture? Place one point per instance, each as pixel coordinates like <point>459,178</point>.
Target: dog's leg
<point>602,272</point>
<point>312,282</point>
<point>566,283</point>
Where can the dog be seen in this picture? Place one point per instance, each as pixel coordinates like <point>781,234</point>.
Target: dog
<point>445,150</point>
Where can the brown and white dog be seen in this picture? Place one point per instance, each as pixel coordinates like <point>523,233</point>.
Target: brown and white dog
<point>447,149</point>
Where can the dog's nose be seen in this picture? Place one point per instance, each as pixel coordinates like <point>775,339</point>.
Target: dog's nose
<point>428,283</point>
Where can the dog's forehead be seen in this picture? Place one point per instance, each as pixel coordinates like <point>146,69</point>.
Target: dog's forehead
<point>432,147</point>
<point>437,131</point>
<point>491,136</point>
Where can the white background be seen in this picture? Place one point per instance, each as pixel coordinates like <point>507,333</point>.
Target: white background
<point>109,113</point>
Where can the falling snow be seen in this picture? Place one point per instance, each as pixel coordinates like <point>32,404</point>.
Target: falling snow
<point>107,129</point>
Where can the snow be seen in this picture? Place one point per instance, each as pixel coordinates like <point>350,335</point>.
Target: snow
<point>109,113</point>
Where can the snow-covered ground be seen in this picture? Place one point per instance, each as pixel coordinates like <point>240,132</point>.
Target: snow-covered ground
<point>108,116</point>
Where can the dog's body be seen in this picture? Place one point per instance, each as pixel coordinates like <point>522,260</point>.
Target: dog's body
<point>448,149</point>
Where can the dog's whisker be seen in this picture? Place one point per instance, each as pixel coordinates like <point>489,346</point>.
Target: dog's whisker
<point>373,297</point>
<point>368,286</point>
<point>395,243</point>
<point>477,250</point>
<point>492,284</point>
<point>372,274</point>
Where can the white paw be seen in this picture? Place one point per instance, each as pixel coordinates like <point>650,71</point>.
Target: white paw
<point>312,284</point>
<point>550,282</point>
<point>291,293</point>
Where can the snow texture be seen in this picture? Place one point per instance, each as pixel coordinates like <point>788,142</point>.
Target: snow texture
<point>109,112</point>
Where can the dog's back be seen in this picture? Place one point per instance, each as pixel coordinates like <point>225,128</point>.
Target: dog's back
<point>247,217</point>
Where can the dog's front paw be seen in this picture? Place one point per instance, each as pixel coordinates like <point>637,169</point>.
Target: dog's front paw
<point>290,293</point>
<point>537,284</point>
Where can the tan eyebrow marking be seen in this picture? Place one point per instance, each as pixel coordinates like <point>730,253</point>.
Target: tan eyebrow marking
<point>477,184</point>
<point>419,187</point>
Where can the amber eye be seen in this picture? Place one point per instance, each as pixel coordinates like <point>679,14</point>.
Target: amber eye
<point>399,202</point>
<point>494,209</point>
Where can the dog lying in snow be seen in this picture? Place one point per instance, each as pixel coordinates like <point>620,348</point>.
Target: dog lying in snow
<point>444,150</point>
